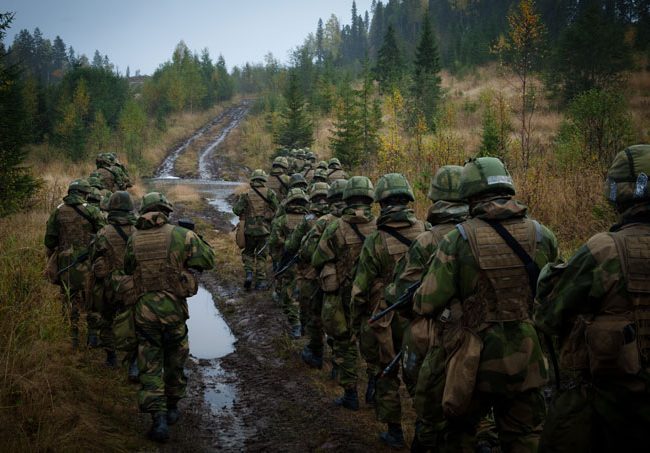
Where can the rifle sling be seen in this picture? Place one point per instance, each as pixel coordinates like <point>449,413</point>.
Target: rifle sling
<point>396,234</point>
<point>262,196</point>
<point>83,214</point>
<point>532,269</point>
<point>355,228</point>
<point>121,232</point>
<point>281,182</point>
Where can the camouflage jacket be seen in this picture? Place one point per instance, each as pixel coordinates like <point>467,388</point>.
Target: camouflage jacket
<point>256,225</point>
<point>379,255</point>
<point>443,216</point>
<point>594,282</point>
<point>282,227</point>
<point>90,225</point>
<point>186,249</point>
<point>339,248</point>
<point>108,247</point>
<point>454,274</point>
<point>278,182</point>
<point>316,211</point>
<point>114,178</point>
<point>335,174</point>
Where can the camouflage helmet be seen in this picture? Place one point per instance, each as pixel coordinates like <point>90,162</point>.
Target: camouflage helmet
<point>392,185</point>
<point>155,201</point>
<point>627,177</point>
<point>298,180</point>
<point>94,196</point>
<point>104,160</point>
<point>318,189</point>
<point>120,201</point>
<point>336,189</point>
<point>79,186</point>
<point>259,175</point>
<point>300,154</point>
<point>334,163</point>
<point>359,186</point>
<point>320,175</point>
<point>281,162</point>
<point>296,194</point>
<point>310,156</point>
<point>484,175</point>
<point>322,164</point>
<point>95,181</point>
<point>445,184</point>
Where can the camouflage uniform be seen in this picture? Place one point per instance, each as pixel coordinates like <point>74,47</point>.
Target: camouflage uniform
<point>305,285</point>
<point>159,256</point>
<point>107,258</point>
<point>477,288</point>
<point>283,226</point>
<point>397,227</point>
<point>278,179</point>
<point>335,170</point>
<point>104,194</point>
<point>335,258</point>
<point>69,232</point>
<point>598,306</point>
<point>113,175</point>
<point>256,208</point>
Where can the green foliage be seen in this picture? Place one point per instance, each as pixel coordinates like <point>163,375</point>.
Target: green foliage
<point>17,184</point>
<point>346,141</point>
<point>296,130</point>
<point>389,69</point>
<point>132,124</point>
<point>591,53</point>
<point>597,127</point>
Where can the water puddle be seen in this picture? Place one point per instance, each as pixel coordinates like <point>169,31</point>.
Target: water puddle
<point>209,335</point>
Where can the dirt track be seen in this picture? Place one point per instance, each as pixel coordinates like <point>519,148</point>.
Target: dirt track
<point>280,404</point>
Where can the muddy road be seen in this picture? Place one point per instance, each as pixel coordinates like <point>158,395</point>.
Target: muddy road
<point>248,389</point>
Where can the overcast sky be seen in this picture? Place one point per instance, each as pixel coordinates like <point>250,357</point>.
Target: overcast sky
<point>142,34</point>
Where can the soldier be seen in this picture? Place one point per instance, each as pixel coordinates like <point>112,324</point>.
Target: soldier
<point>103,194</point>
<point>479,290</point>
<point>305,284</point>
<point>308,169</point>
<point>397,228</point>
<point>312,354</point>
<point>320,175</point>
<point>297,181</point>
<point>295,209</point>
<point>598,306</point>
<point>68,234</point>
<point>447,211</point>
<point>322,165</point>
<point>335,171</point>
<point>160,257</point>
<point>256,208</point>
<point>278,180</point>
<point>107,258</point>
<point>335,258</point>
<point>94,292</point>
<point>121,171</point>
<point>299,161</point>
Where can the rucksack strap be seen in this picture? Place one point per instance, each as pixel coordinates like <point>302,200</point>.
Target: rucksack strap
<point>120,231</point>
<point>262,196</point>
<point>396,234</point>
<point>83,214</point>
<point>355,228</point>
<point>281,182</point>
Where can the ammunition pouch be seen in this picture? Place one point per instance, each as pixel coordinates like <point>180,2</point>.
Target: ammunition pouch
<point>52,268</point>
<point>329,280</point>
<point>460,374</point>
<point>334,317</point>
<point>124,330</point>
<point>124,290</point>
<point>612,346</point>
<point>240,237</point>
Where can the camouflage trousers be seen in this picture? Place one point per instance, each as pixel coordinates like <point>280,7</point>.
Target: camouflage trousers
<point>72,303</point>
<point>598,418</point>
<point>289,297</point>
<point>312,298</point>
<point>388,405</point>
<point>100,315</point>
<point>162,352</point>
<point>369,347</point>
<point>344,350</point>
<point>252,262</point>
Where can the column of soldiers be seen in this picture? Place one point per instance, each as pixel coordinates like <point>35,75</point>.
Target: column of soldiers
<point>132,277</point>
<point>457,306</point>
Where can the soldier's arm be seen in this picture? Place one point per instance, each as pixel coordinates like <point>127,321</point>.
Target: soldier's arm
<point>129,258</point>
<point>368,269</point>
<point>578,286</point>
<point>276,239</point>
<point>326,248</point>
<point>98,249</point>
<point>440,280</point>
<point>273,198</point>
<point>240,205</point>
<point>200,256</point>
<point>292,244</point>
<point>51,239</point>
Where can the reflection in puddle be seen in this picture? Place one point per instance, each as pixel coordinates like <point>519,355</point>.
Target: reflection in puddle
<point>209,335</point>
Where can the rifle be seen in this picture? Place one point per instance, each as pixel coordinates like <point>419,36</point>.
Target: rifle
<point>186,223</point>
<point>391,365</point>
<point>259,252</point>
<point>404,299</point>
<point>80,259</point>
<point>287,266</point>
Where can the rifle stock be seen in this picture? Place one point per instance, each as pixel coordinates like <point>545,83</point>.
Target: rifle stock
<point>404,299</point>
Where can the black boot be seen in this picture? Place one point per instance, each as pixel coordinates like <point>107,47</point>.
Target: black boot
<point>349,400</point>
<point>159,430</point>
<point>248,281</point>
<point>394,437</point>
<point>311,359</point>
<point>295,331</point>
<point>173,414</point>
<point>93,340</point>
<point>371,390</point>
<point>134,372</point>
<point>261,285</point>
<point>111,359</point>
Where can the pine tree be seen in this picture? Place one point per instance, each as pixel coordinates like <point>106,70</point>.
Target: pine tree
<point>320,36</point>
<point>425,88</point>
<point>369,115</point>
<point>98,61</point>
<point>16,182</point>
<point>389,62</point>
<point>347,138</point>
<point>296,130</point>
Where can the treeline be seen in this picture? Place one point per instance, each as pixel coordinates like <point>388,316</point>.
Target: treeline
<point>79,107</point>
